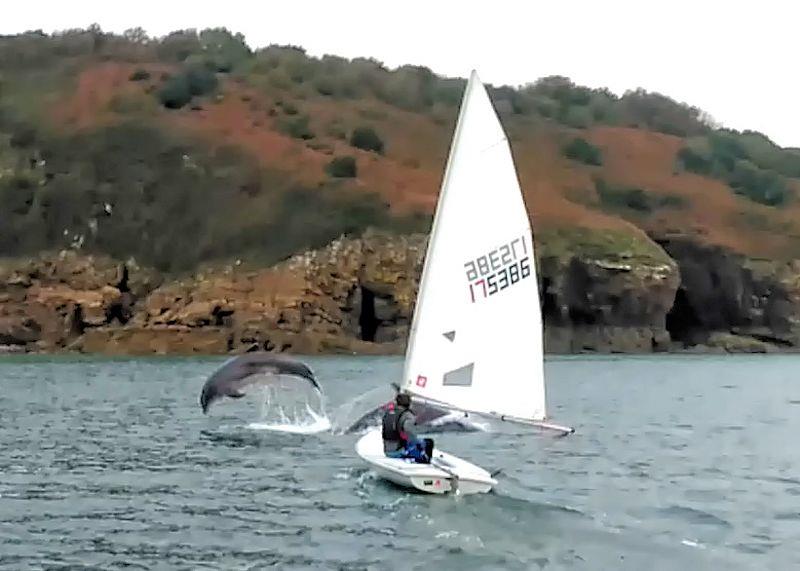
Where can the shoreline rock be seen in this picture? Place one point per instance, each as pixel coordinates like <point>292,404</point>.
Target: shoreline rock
<point>356,296</point>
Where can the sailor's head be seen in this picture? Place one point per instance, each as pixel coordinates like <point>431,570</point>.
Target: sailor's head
<point>402,400</point>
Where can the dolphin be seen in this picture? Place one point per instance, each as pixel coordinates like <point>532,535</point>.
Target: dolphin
<point>236,374</point>
<point>429,418</point>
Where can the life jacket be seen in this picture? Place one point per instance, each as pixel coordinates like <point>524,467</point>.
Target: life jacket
<point>392,423</point>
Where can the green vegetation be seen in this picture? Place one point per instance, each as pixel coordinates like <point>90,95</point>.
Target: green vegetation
<point>769,156</point>
<point>201,80</point>
<point>140,75</point>
<point>175,92</point>
<point>749,163</point>
<point>367,139</point>
<point>694,160</point>
<point>312,218</point>
<point>635,199</point>
<point>222,50</point>
<point>607,245</point>
<point>130,190</point>
<point>177,46</point>
<point>659,113</point>
<point>415,88</point>
<point>759,185</point>
<point>215,48</point>
<point>411,88</point>
<point>296,126</point>
<point>342,167</point>
<point>288,107</point>
<point>178,90</point>
<point>138,189</point>
<point>581,150</point>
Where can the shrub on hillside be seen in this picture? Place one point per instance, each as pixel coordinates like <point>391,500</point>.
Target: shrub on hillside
<point>562,90</point>
<point>579,149</point>
<point>502,98</point>
<point>715,155</point>
<point>179,45</point>
<point>577,116</point>
<point>365,138</point>
<point>325,86</point>
<point>742,162</point>
<point>201,80</point>
<point>654,111</point>
<point>605,109</point>
<point>636,199</point>
<point>693,160</point>
<point>408,87</point>
<point>290,63</point>
<point>765,187</point>
<point>788,163</point>
<point>140,75</point>
<point>175,92</point>
<point>449,91</point>
<point>342,167</point>
<point>178,90</point>
<point>547,107</point>
<point>288,107</point>
<point>314,218</point>
<point>767,155</point>
<point>633,198</point>
<point>223,50</point>
<point>726,150</point>
<point>296,126</point>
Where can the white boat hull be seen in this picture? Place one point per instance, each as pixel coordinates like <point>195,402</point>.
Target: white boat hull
<point>446,473</point>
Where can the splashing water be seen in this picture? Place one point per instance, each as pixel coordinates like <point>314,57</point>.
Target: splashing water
<point>359,406</point>
<point>288,407</point>
<point>315,422</point>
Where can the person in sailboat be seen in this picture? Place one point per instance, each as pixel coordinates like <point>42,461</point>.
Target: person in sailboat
<point>400,438</point>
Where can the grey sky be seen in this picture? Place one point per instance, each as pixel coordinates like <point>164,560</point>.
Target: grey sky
<point>733,59</point>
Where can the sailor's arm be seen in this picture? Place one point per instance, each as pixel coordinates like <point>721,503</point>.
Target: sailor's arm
<point>410,426</point>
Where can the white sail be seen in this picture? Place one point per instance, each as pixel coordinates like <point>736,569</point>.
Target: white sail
<point>476,337</point>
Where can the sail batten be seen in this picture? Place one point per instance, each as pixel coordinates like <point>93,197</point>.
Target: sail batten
<point>479,280</point>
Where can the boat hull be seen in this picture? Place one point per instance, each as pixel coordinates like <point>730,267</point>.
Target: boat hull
<point>445,474</point>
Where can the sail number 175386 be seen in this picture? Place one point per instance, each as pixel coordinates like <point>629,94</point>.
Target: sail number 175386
<point>498,270</point>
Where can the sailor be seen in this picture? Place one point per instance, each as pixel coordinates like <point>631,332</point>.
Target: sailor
<point>399,432</point>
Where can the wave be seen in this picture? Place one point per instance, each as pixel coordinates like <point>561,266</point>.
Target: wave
<point>695,516</point>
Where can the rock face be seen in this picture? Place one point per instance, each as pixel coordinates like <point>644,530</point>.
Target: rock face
<point>353,296</point>
<point>721,292</point>
<point>357,296</point>
<point>49,302</point>
<point>606,306</point>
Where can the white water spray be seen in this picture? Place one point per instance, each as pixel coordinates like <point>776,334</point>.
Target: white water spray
<point>285,407</point>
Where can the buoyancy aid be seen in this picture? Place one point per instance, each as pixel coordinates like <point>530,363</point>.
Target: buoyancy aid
<point>392,425</point>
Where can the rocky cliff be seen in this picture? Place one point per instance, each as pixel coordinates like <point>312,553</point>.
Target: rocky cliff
<point>732,302</point>
<point>50,302</point>
<point>357,296</point>
<point>607,305</point>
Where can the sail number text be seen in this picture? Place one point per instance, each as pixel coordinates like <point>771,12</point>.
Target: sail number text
<point>499,269</point>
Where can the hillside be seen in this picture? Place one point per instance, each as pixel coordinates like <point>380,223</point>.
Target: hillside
<point>193,149</point>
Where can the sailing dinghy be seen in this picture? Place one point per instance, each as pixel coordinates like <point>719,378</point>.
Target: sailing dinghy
<point>475,345</point>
